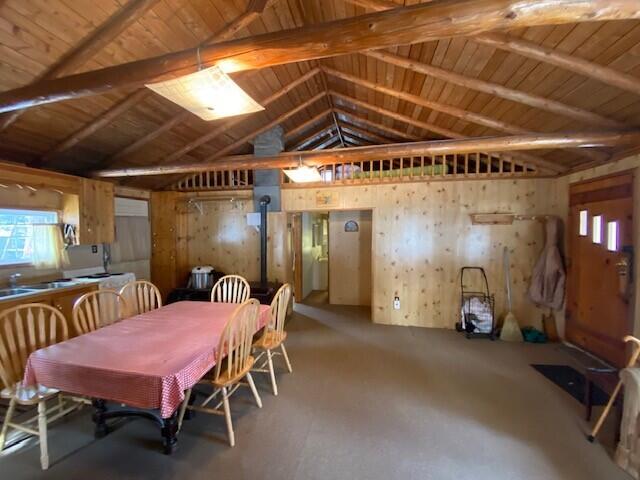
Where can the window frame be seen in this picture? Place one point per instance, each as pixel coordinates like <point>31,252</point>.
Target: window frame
<point>58,213</point>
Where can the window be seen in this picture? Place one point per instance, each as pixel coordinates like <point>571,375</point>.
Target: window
<point>612,236</point>
<point>584,223</point>
<point>16,233</point>
<point>597,229</point>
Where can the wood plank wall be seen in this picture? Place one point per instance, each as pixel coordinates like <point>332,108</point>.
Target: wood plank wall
<point>422,236</point>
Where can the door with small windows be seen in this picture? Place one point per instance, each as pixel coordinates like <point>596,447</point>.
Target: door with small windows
<point>599,267</point>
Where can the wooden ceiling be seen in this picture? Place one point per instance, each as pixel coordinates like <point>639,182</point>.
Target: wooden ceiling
<point>450,88</point>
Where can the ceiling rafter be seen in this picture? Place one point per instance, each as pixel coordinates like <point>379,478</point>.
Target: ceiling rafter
<point>364,133</point>
<point>89,46</point>
<point>209,136</point>
<point>448,109</point>
<point>306,124</point>
<point>315,135</point>
<point>495,89</point>
<point>524,157</point>
<point>329,142</point>
<point>281,118</point>
<point>378,126</point>
<point>525,48</point>
<point>254,10</point>
<point>500,144</point>
<point>402,26</point>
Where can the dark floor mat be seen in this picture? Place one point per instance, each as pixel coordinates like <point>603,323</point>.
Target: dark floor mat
<point>572,382</point>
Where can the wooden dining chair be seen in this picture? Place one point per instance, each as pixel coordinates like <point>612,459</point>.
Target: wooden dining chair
<point>25,329</point>
<point>274,336</point>
<point>233,364</point>
<point>231,289</point>
<point>141,296</point>
<point>97,309</point>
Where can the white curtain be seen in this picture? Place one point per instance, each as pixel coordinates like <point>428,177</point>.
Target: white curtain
<point>48,247</point>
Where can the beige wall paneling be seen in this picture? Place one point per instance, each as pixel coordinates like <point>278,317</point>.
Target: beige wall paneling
<point>350,258</point>
<point>220,236</point>
<point>422,236</point>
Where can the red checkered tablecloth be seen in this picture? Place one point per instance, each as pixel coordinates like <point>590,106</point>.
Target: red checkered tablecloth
<point>146,361</point>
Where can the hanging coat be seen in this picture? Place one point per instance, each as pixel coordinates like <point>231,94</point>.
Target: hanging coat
<point>548,278</point>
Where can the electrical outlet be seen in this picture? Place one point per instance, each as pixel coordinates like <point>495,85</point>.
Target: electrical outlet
<point>94,248</point>
<point>396,303</point>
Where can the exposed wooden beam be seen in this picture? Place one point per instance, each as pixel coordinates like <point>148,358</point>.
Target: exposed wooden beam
<point>363,133</point>
<point>356,141</point>
<point>378,126</point>
<point>89,46</point>
<point>401,26</point>
<point>315,135</point>
<point>423,102</point>
<point>234,121</point>
<point>541,53</point>
<point>376,152</point>
<point>254,9</point>
<point>498,90</point>
<point>329,142</point>
<point>306,124</point>
<point>128,102</point>
<point>281,118</point>
<point>429,127</point>
<point>604,74</point>
<point>524,157</point>
<point>447,109</point>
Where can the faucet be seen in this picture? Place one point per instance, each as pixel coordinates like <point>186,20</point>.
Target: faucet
<point>13,279</point>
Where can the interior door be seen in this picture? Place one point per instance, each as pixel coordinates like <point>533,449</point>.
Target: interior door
<point>296,240</point>
<point>600,259</point>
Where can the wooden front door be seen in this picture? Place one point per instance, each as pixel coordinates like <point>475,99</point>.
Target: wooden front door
<point>600,254</point>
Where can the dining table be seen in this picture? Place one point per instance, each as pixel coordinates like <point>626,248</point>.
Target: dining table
<point>141,365</point>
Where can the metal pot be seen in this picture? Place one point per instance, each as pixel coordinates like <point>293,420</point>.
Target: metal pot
<point>201,277</point>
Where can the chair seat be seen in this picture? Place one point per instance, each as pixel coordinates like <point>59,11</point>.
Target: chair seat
<point>225,379</point>
<point>28,395</point>
<point>270,340</point>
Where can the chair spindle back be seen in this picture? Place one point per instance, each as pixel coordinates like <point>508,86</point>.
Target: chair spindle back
<point>141,296</point>
<point>279,307</point>
<point>237,338</point>
<point>231,289</point>
<point>23,330</point>
<point>98,309</point>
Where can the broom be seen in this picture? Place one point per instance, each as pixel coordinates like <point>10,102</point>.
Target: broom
<point>510,329</point>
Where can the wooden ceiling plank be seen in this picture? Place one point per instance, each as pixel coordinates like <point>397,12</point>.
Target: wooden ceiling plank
<point>234,121</point>
<point>379,126</point>
<point>92,44</point>
<point>512,143</point>
<point>318,133</point>
<point>97,123</point>
<point>363,133</point>
<point>281,118</point>
<point>254,10</point>
<point>606,75</point>
<point>498,90</point>
<point>414,24</point>
<point>303,126</point>
<point>329,142</point>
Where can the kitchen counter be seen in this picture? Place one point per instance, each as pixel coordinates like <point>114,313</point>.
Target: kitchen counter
<point>35,295</point>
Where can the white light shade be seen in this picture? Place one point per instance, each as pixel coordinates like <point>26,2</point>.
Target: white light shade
<point>208,93</point>
<point>304,174</point>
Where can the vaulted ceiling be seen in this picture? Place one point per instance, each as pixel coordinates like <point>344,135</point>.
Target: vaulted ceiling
<point>450,88</point>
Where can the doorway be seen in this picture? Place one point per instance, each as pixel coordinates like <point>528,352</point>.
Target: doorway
<point>332,259</point>
<point>600,257</point>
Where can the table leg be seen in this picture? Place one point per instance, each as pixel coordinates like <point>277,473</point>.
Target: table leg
<point>169,434</point>
<point>588,399</point>
<point>102,429</point>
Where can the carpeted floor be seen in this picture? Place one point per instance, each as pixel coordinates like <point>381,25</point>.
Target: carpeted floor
<point>364,402</point>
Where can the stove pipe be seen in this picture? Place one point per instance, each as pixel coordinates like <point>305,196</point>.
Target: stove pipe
<point>264,201</point>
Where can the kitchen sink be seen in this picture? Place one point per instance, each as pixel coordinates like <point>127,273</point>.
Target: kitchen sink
<point>8,292</point>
